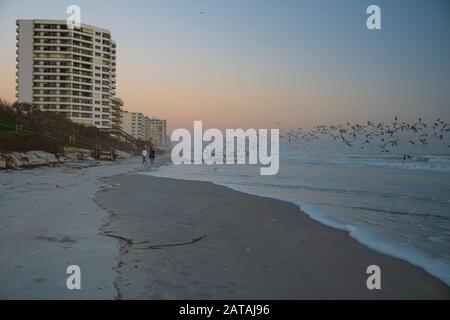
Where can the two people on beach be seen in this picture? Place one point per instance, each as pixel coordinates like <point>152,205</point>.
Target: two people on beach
<point>150,154</point>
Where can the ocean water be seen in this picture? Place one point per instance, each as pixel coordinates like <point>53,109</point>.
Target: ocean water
<point>398,207</point>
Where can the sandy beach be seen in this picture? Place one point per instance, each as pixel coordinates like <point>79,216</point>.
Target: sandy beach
<point>141,237</point>
<point>48,221</point>
<point>196,240</point>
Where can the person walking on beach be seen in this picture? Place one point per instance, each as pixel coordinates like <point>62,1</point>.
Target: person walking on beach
<point>144,156</point>
<point>152,156</point>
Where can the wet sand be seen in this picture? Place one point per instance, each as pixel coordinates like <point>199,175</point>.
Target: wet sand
<point>196,240</point>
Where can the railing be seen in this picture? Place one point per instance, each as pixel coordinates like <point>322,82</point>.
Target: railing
<point>120,132</point>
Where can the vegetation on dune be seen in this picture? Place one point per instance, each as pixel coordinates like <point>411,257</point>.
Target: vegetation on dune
<point>49,130</point>
<point>7,113</point>
<point>22,142</point>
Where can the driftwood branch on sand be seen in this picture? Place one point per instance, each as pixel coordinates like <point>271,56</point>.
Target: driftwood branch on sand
<point>154,246</point>
<point>129,241</point>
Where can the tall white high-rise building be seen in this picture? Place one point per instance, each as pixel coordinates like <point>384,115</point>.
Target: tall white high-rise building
<point>68,71</point>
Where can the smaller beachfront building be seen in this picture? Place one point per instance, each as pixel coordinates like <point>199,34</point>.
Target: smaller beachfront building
<point>144,128</point>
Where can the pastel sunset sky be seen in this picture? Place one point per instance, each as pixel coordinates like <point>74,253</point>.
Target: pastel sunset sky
<point>264,63</point>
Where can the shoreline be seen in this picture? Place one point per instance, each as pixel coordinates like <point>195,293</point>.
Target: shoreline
<point>306,260</point>
<point>389,248</point>
<point>432,261</point>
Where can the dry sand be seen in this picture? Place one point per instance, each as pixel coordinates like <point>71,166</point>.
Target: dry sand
<point>48,221</point>
<point>254,248</point>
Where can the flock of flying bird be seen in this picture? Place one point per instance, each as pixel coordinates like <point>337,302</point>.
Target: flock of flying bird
<point>381,136</point>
